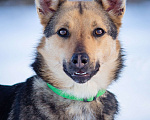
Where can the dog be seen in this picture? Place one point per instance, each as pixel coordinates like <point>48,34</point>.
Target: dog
<point>78,57</point>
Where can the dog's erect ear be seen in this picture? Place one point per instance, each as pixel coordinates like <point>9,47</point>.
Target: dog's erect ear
<point>115,9</point>
<point>46,8</point>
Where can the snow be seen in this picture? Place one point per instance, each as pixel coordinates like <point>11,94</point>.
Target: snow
<point>19,34</point>
<point>21,30</point>
<point>133,88</point>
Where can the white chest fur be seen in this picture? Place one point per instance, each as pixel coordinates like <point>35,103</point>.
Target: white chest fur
<point>80,112</point>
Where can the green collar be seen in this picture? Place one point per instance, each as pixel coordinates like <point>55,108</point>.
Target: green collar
<point>71,97</point>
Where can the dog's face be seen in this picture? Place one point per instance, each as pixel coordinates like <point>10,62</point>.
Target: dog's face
<point>80,52</point>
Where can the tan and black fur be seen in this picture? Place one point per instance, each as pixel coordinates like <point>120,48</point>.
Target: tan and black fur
<point>55,63</point>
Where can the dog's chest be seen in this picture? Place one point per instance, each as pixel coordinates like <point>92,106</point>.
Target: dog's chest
<point>56,107</point>
<point>80,112</point>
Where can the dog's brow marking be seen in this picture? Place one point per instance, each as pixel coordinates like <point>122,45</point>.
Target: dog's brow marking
<point>66,25</point>
<point>94,24</point>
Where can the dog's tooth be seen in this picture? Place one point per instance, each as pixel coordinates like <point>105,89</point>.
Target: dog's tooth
<point>83,73</point>
<point>77,73</point>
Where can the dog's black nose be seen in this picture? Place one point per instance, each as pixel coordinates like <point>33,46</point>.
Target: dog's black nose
<point>80,59</point>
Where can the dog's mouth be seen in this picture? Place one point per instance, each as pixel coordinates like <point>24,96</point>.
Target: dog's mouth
<point>81,75</point>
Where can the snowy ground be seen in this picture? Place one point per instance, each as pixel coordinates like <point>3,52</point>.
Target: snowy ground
<point>20,32</point>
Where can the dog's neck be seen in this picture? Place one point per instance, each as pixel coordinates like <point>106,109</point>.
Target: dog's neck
<point>72,97</point>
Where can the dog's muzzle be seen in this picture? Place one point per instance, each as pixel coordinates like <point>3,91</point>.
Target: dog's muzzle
<point>79,68</point>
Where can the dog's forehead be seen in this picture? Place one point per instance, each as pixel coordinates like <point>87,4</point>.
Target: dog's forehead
<point>88,5</point>
<point>90,12</point>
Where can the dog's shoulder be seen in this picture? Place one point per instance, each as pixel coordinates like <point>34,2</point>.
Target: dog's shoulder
<point>7,96</point>
<point>110,103</point>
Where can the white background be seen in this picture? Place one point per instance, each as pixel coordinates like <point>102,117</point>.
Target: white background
<point>20,31</point>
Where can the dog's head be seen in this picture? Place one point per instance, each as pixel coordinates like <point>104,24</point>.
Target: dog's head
<point>80,51</point>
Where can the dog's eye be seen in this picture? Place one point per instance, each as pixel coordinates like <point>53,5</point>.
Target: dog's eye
<point>63,32</point>
<point>98,32</point>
